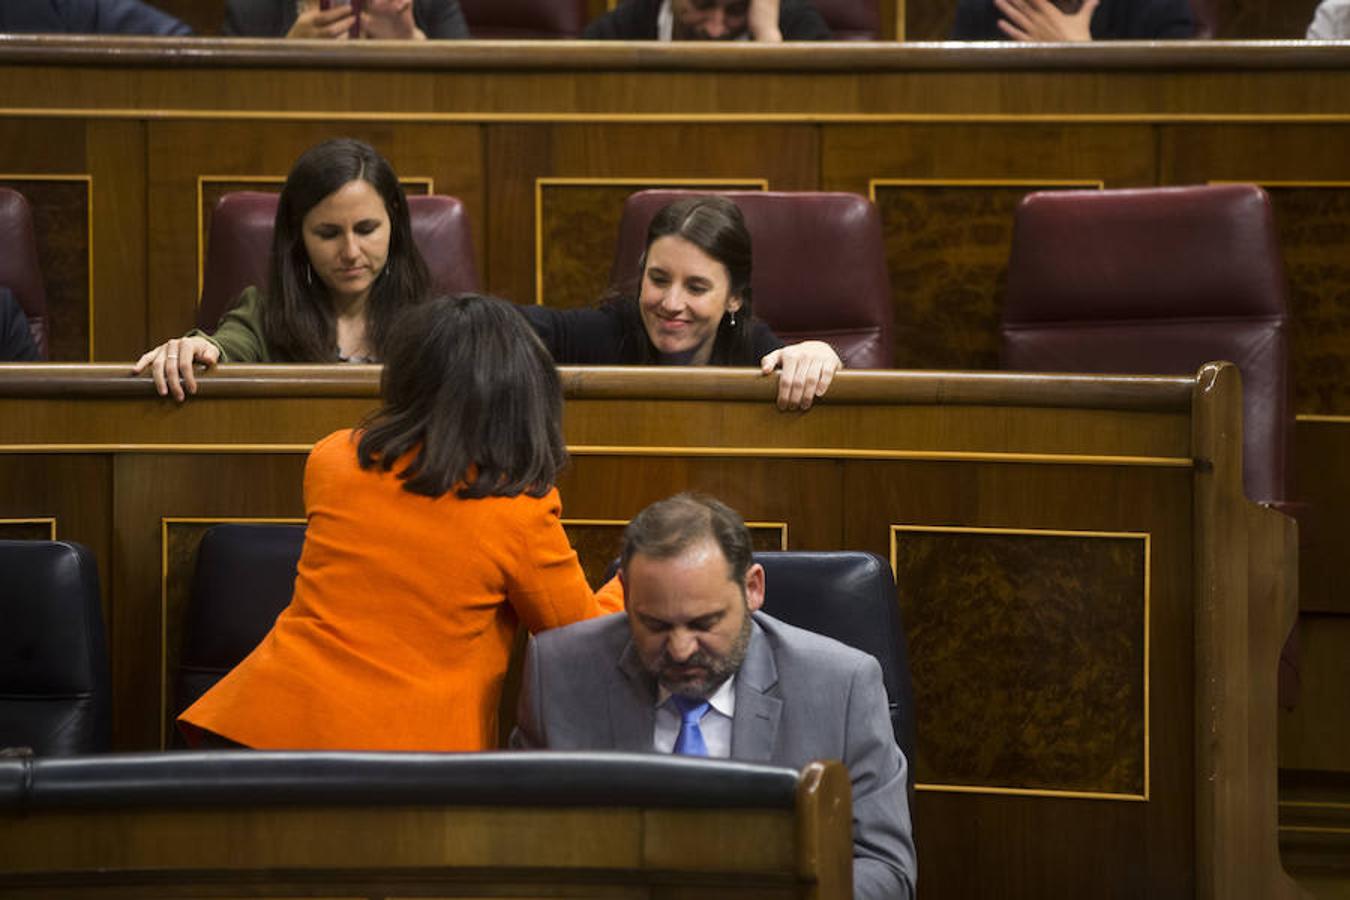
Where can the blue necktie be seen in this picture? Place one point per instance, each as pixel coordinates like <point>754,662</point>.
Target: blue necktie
<point>689,742</point>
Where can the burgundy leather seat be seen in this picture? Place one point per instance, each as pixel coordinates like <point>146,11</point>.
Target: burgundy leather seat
<point>819,267</point>
<point>241,239</point>
<point>851,20</point>
<point>1159,281</point>
<point>19,268</point>
<point>524,19</point>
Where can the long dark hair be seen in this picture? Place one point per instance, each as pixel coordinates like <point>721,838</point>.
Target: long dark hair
<point>469,386</point>
<point>713,224</point>
<point>298,320</point>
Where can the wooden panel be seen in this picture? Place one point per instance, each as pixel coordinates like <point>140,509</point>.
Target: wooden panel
<point>1311,223</point>
<point>947,250</point>
<point>1323,484</point>
<point>1057,620</point>
<point>960,838</point>
<point>35,529</point>
<point>1316,734</point>
<point>784,156</point>
<point>181,153</point>
<point>577,229</point>
<point>149,489</point>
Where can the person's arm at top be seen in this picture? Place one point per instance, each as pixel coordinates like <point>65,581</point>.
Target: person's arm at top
<point>238,338</point>
<point>546,585</point>
<point>807,367</point>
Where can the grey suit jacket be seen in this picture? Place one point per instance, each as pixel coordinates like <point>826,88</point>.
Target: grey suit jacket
<point>273,18</point>
<point>799,697</point>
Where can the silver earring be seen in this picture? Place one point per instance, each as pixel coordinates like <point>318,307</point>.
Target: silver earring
<point>732,323</point>
<point>309,274</point>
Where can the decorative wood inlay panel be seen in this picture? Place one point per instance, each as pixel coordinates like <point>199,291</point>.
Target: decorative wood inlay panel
<point>1313,223</point>
<point>947,249</point>
<point>210,188</point>
<point>599,542</point>
<point>28,529</point>
<point>577,228</point>
<point>1029,656</point>
<point>61,211</point>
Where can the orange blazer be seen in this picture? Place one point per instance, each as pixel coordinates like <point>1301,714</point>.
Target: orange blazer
<point>403,618</point>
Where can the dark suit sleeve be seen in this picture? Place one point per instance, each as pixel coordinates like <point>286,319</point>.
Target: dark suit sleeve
<point>631,20</point>
<point>529,731</point>
<point>801,22</point>
<point>884,864</point>
<point>763,340</point>
<point>254,18</point>
<point>441,19</point>
<point>16,341</point>
<point>1166,20</point>
<point>976,20</point>
<point>119,17</point>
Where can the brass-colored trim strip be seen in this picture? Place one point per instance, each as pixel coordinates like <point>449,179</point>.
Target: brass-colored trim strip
<point>1313,804</point>
<point>88,231</point>
<point>164,523</point>
<point>1312,829</point>
<point>49,521</point>
<point>1165,462</point>
<point>1147,538</point>
<point>874,183</point>
<point>1027,792</point>
<point>800,118</point>
<point>652,183</point>
<point>1328,419</point>
<point>1277,183</point>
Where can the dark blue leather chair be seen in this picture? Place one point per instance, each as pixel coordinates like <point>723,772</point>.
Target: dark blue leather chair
<point>54,676</point>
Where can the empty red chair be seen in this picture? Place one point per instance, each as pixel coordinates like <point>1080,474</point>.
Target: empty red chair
<point>524,19</point>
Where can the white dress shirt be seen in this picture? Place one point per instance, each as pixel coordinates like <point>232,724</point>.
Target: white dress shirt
<point>715,725</point>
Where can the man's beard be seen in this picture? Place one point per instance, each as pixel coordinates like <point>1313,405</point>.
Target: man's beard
<point>717,669</point>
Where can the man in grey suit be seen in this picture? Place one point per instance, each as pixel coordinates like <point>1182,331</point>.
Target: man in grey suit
<point>692,667</point>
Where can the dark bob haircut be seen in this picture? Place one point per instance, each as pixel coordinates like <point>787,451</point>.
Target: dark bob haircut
<point>469,387</point>
<point>298,318</point>
<point>715,225</point>
<point>667,528</point>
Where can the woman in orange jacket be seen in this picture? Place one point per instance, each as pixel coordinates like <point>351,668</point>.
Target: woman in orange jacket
<point>434,531</point>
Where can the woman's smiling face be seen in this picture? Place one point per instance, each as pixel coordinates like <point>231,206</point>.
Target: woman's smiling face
<point>685,293</point>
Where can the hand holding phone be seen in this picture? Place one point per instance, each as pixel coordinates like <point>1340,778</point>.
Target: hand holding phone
<point>326,19</point>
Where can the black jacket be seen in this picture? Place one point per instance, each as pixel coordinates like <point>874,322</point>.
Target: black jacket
<point>16,342</point>
<point>635,20</point>
<point>438,19</point>
<point>977,20</point>
<point>87,17</point>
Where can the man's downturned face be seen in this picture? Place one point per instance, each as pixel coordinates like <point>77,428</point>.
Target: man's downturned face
<point>690,621</point>
<point>710,20</point>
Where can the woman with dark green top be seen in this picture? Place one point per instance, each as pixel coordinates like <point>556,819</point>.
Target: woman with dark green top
<point>343,264</point>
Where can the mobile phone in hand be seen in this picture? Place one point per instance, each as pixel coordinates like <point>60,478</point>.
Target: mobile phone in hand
<point>356,6</point>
